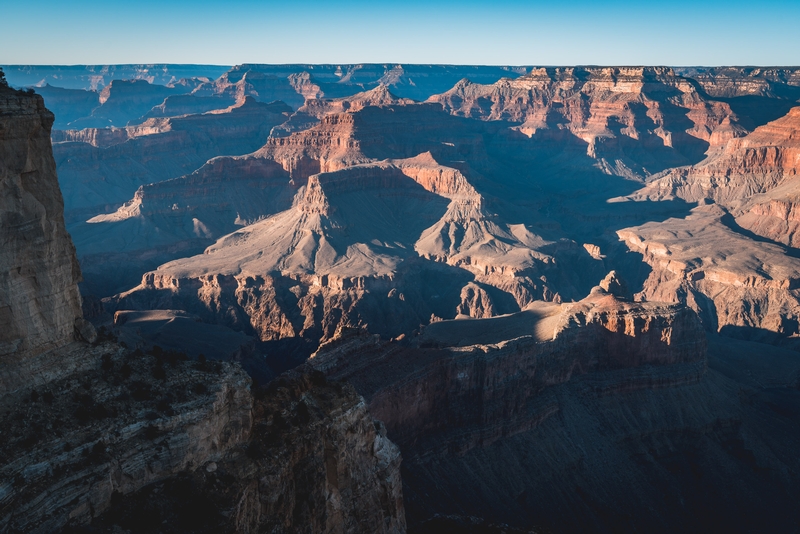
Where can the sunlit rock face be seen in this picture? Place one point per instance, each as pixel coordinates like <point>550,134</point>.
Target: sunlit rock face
<point>729,259</point>
<point>39,300</point>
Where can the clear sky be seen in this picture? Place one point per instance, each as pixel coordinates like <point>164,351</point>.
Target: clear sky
<point>507,32</point>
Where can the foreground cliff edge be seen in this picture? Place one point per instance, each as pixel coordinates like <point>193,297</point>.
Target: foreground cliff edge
<point>90,429</point>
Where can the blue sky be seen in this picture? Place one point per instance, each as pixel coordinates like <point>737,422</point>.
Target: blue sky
<point>507,32</point>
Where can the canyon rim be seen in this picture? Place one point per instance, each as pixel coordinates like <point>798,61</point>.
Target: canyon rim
<point>398,297</point>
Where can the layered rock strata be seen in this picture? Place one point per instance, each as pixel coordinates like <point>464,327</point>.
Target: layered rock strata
<point>732,281</point>
<point>365,245</point>
<point>96,77</point>
<point>763,160</point>
<point>640,119</point>
<point>501,390</point>
<point>39,301</point>
<point>78,441</point>
<point>178,217</point>
<point>87,426</point>
<point>544,420</point>
<point>98,174</point>
<point>475,381</point>
<point>730,260</point>
<point>315,462</point>
<point>97,446</point>
<point>294,84</point>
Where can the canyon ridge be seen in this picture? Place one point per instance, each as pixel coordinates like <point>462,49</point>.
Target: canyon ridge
<point>399,298</point>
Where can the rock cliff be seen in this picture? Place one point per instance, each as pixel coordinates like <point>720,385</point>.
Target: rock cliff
<point>733,282</point>
<point>90,428</point>
<point>750,165</point>
<point>732,261</point>
<point>470,382</point>
<point>39,301</point>
<point>101,169</point>
<point>315,462</point>
<point>642,119</point>
<point>388,244</point>
<point>97,177</point>
<point>546,419</point>
<point>148,443</point>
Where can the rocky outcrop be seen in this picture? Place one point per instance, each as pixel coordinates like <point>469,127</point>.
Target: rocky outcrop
<point>177,105</point>
<point>315,109</point>
<point>68,105</point>
<point>729,82</point>
<point>543,420</point>
<point>98,179</point>
<point>124,100</point>
<point>473,388</point>
<point>630,118</point>
<point>179,217</point>
<point>751,165</point>
<point>89,430</point>
<point>727,260</point>
<point>732,281</point>
<point>39,301</point>
<point>90,447</point>
<point>76,443</point>
<point>96,77</point>
<point>490,384</point>
<point>294,84</point>
<point>359,246</point>
<point>316,462</point>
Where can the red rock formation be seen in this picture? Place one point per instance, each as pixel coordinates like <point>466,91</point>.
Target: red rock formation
<point>747,166</point>
<point>428,395</point>
<point>748,81</point>
<point>731,280</point>
<point>315,108</point>
<point>616,111</point>
<point>109,422</point>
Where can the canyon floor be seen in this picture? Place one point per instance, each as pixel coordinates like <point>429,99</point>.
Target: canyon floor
<point>401,297</point>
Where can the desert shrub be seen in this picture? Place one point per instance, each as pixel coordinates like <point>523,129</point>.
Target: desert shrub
<point>318,378</point>
<point>253,451</point>
<point>126,370</point>
<point>140,391</point>
<point>303,415</point>
<point>159,373</point>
